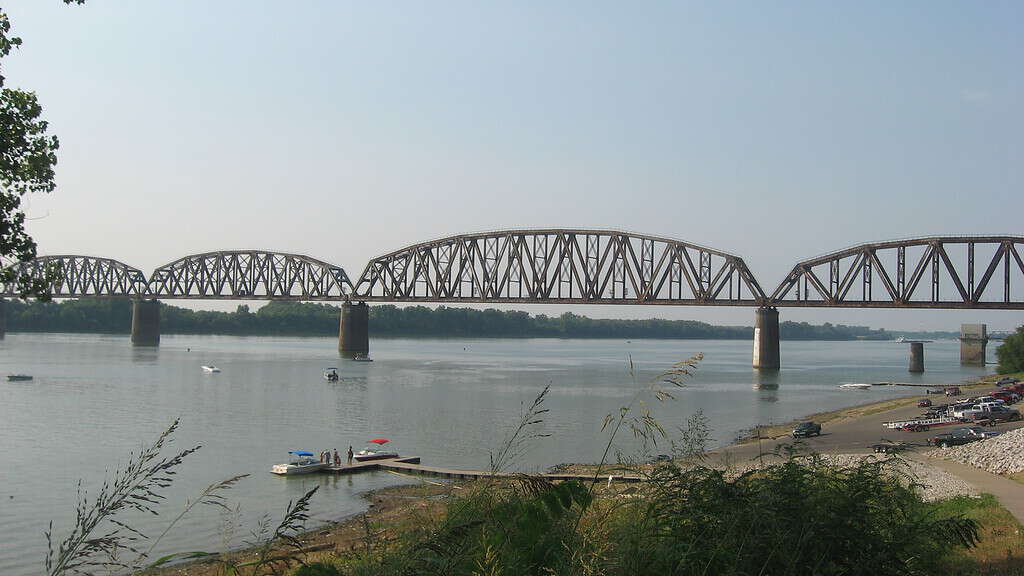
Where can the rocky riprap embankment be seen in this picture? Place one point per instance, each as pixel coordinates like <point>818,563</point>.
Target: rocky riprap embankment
<point>1003,454</point>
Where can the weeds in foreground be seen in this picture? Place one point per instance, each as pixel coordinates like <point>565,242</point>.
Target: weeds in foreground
<point>103,539</point>
<point>100,536</point>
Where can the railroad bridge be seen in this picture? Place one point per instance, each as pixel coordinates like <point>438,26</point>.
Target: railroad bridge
<point>563,266</point>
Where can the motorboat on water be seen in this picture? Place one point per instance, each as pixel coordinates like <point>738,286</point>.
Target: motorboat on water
<point>375,452</point>
<point>302,462</point>
<point>211,369</point>
<point>18,377</point>
<point>331,374</point>
<point>361,358</point>
<point>855,386</point>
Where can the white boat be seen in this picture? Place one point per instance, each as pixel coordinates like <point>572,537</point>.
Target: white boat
<point>362,358</point>
<point>331,374</point>
<point>374,453</point>
<point>211,369</point>
<point>18,377</point>
<point>855,386</point>
<point>302,462</point>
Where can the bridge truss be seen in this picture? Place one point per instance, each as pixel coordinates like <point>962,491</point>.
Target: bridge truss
<point>78,277</point>
<point>562,267</point>
<point>249,275</point>
<point>976,272</point>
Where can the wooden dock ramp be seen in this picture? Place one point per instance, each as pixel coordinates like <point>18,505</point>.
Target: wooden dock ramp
<point>411,465</point>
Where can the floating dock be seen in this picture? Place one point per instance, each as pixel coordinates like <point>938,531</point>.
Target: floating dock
<point>411,465</point>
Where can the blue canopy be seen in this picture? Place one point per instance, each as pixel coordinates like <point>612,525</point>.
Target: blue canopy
<point>301,453</point>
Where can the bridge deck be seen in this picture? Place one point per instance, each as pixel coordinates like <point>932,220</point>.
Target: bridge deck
<point>412,465</point>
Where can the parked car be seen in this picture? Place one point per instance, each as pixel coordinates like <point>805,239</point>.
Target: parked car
<point>924,403</point>
<point>1007,397</point>
<point>805,429</point>
<point>954,438</point>
<point>1005,381</point>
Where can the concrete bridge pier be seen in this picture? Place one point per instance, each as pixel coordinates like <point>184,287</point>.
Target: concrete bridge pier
<point>766,339</point>
<point>145,323</point>
<point>916,357</point>
<point>354,329</point>
<point>973,338</point>
<point>3,318</point>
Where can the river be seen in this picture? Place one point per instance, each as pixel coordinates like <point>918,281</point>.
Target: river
<point>451,401</point>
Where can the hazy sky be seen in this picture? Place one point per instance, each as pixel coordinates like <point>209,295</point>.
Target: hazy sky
<point>776,131</point>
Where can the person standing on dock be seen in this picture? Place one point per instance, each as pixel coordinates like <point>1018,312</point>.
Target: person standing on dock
<point>349,455</point>
<point>337,459</point>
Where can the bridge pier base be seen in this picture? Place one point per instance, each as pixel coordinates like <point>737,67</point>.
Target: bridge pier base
<point>973,339</point>
<point>354,329</point>
<point>916,357</point>
<point>766,339</point>
<point>145,323</point>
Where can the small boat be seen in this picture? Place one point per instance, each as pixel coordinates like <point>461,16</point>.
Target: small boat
<point>211,369</point>
<point>331,374</point>
<point>302,462</point>
<point>18,377</point>
<point>361,358</point>
<point>375,453</point>
<point>855,386</point>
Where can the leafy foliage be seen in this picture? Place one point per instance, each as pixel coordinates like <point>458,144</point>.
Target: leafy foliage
<point>28,155</point>
<point>1011,353</point>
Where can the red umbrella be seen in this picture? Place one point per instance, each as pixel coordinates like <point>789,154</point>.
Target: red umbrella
<point>380,440</point>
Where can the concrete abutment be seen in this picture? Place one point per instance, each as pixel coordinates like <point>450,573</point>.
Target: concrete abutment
<point>973,339</point>
<point>766,339</point>
<point>916,357</point>
<point>354,329</point>
<point>145,323</point>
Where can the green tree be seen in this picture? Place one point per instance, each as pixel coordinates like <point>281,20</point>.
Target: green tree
<point>1011,353</point>
<point>27,157</point>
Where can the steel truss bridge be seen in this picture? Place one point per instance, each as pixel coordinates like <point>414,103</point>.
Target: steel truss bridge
<point>570,267</point>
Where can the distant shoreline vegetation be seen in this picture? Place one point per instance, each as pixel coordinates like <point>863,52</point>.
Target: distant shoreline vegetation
<point>114,316</point>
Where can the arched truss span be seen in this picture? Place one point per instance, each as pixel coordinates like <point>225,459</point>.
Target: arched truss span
<point>935,272</point>
<point>249,275</point>
<point>560,267</point>
<point>71,276</point>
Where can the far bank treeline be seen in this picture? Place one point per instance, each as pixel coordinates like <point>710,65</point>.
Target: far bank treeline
<point>114,316</point>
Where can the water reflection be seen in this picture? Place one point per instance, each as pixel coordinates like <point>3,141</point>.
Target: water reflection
<point>765,379</point>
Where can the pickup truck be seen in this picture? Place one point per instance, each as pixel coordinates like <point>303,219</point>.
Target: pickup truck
<point>954,438</point>
<point>996,414</point>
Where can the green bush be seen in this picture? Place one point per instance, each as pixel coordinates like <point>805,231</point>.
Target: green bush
<point>1011,353</point>
<point>793,518</point>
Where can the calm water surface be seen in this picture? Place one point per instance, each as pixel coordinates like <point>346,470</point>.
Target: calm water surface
<point>95,398</point>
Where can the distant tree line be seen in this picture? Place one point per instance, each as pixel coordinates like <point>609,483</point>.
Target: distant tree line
<point>114,316</point>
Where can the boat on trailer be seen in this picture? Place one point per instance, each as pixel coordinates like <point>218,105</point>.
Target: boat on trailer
<point>302,462</point>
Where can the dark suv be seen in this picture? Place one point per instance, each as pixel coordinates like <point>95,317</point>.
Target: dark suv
<point>805,429</point>
<point>997,414</point>
<point>954,438</point>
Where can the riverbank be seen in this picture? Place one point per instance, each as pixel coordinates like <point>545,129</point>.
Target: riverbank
<point>393,511</point>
